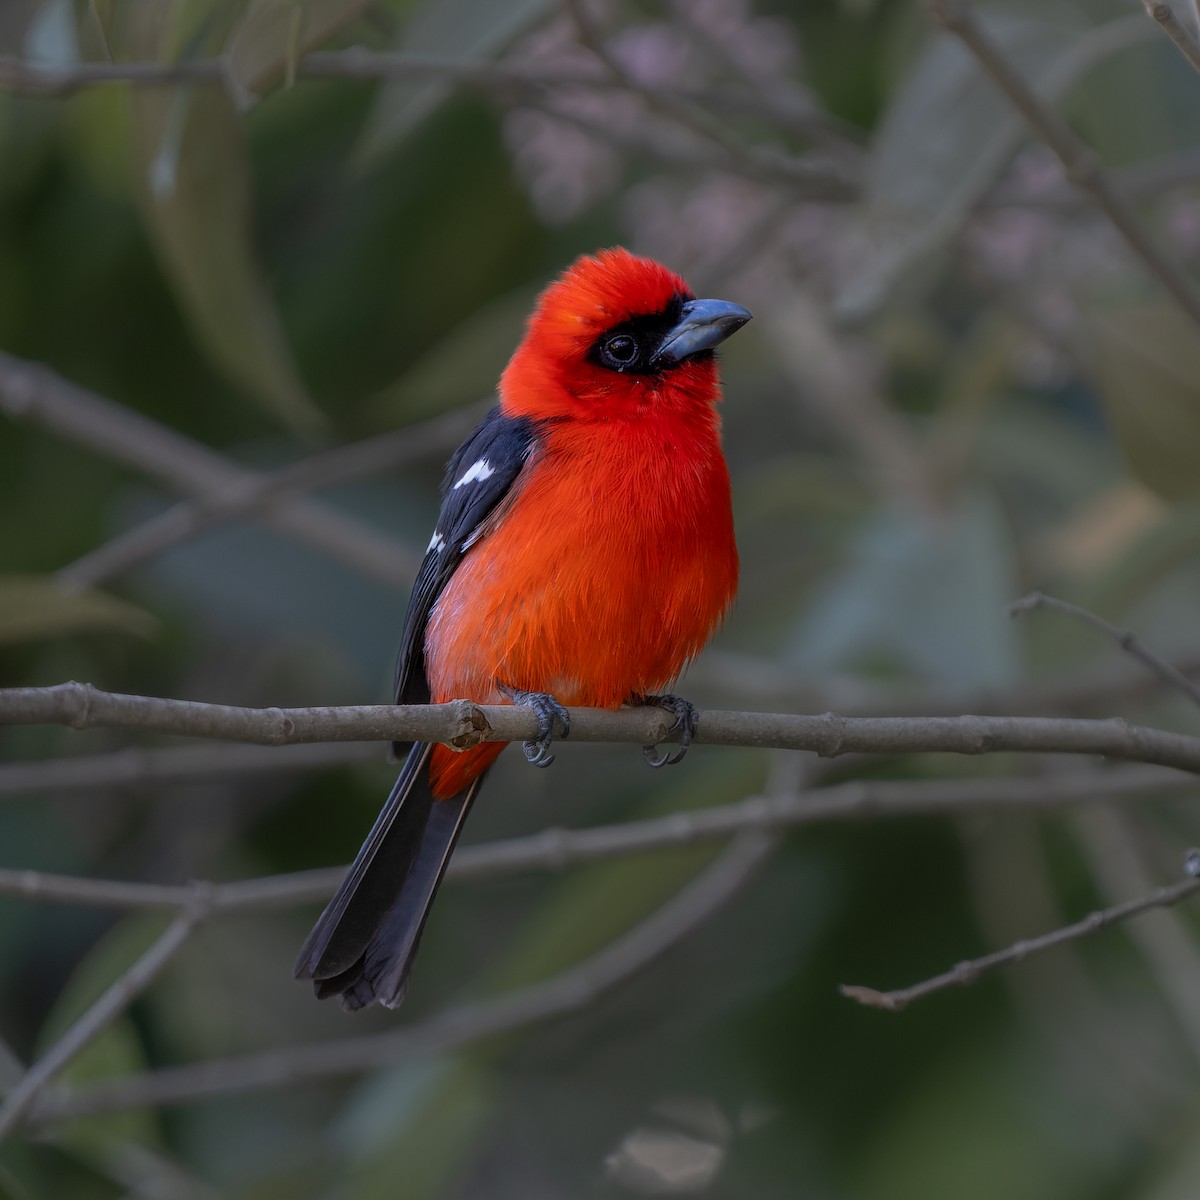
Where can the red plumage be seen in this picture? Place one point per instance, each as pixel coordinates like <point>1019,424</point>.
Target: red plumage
<point>615,560</point>
<point>601,563</point>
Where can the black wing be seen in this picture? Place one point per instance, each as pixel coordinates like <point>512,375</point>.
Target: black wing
<point>478,477</point>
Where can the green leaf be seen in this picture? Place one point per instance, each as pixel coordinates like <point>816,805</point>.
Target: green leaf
<point>274,33</point>
<point>193,184</point>
<point>461,367</point>
<point>926,595</point>
<point>33,607</point>
<point>458,29</point>
<point>1148,373</point>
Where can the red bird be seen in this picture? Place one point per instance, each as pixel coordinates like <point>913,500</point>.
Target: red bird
<point>583,555</point>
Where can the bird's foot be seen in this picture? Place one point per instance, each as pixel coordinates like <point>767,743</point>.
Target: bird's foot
<point>549,713</point>
<point>687,717</point>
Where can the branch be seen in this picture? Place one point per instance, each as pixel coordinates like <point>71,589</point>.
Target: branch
<point>530,83</point>
<point>1174,29</point>
<point>174,764</point>
<point>1125,638</point>
<point>1082,165</point>
<point>463,724</point>
<point>29,391</point>
<point>966,973</point>
<point>561,995</point>
<point>748,678</point>
<point>261,494</point>
<point>111,1004</point>
<point>558,849</point>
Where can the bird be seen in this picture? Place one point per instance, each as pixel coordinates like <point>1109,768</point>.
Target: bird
<point>583,555</point>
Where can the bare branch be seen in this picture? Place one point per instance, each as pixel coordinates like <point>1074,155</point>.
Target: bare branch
<point>1082,165</point>
<point>463,724</point>
<point>174,764</point>
<point>558,849</point>
<point>966,973</point>
<point>32,392</point>
<point>745,678</point>
<point>1162,12</point>
<point>569,992</point>
<point>530,83</point>
<point>1125,638</point>
<point>261,493</point>
<point>101,1014</point>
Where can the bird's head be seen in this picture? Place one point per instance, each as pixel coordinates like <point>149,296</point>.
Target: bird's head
<point>618,336</point>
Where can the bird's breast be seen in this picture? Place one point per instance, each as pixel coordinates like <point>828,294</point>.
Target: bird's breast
<point>610,569</point>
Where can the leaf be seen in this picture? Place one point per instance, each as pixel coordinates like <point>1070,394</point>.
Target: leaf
<point>192,181</point>
<point>33,607</point>
<point>274,33</point>
<point>924,595</point>
<point>457,29</point>
<point>52,35</point>
<point>1148,374</point>
<point>460,367</point>
<point>194,189</point>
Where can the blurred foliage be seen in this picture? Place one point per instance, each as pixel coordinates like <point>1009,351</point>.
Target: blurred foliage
<point>960,386</point>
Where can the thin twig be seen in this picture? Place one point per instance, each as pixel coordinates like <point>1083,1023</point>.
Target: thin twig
<point>732,150</point>
<point>260,493</point>
<point>520,78</point>
<point>788,103</point>
<point>530,83</point>
<point>463,724</point>
<point>136,765</point>
<point>1162,12</point>
<point>96,1019</point>
<point>966,973</point>
<point>1082,165</point>
<point>1109,841</point>
<point>566,993</point>
<point>828,374</point>
<point>558,849</point>
<point>1125,638</point>
<point>29,391</point>
<point>970,189</point>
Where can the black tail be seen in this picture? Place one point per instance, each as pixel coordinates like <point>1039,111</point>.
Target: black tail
<point>363,944</point>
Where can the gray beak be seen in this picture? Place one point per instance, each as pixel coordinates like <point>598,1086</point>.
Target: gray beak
<point>703,325</point>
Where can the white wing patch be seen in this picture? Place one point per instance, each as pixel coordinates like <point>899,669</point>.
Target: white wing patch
<point>478,471</point>
<point>437,543</point>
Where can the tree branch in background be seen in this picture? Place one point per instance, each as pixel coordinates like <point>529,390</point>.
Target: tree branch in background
<point>559,849</point>
<point>32,392</point>
<point>1082,166</point>
<point>966,973</point>
<point>1125,638</point>
<point>135,765</point>
<point>829,177</point>
<point>755,680</point>
<point>261,493</point>
<point>1162,12</point>
<point>463,724</point>
<point>111,1004</point>
<point>559,996</point>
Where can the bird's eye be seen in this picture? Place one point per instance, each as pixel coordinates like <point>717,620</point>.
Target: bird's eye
<point>621,350</point>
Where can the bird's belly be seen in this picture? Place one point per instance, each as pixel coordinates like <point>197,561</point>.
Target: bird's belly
<point>590,624</point>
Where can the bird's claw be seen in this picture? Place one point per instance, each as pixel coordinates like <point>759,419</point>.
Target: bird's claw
<point>549,713</point>
<point>687,717</point>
